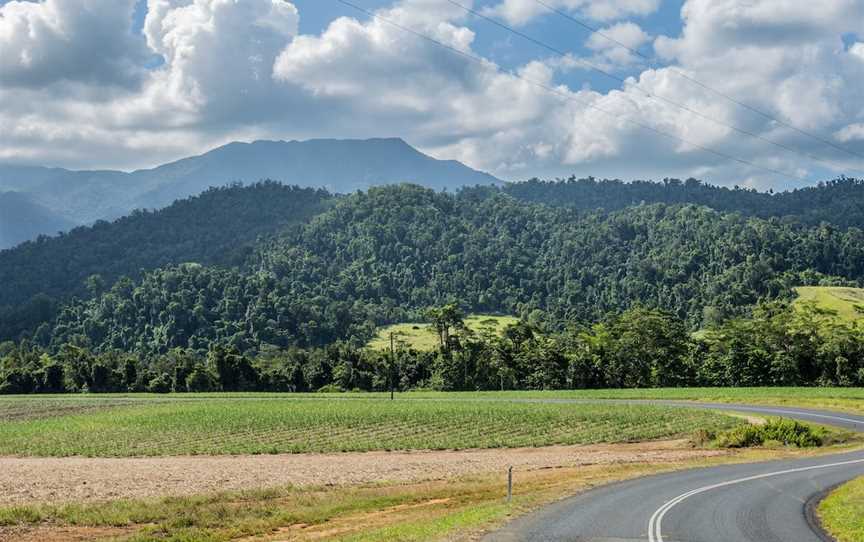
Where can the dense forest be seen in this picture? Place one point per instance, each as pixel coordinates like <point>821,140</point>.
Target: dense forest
<point>636,348</point>
<point>219,227</point>
<point>839,202</point>
<point>383,255</point>
<point>257,272</point>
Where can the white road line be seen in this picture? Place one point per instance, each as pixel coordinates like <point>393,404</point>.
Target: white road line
<point>655,533</point>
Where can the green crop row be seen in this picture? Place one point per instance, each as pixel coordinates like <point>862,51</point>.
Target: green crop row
<point>242,425</point>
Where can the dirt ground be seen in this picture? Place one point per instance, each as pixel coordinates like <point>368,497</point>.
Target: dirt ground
<point>33,480</point>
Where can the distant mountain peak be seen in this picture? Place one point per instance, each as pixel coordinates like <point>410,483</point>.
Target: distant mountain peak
<point>338,165</point>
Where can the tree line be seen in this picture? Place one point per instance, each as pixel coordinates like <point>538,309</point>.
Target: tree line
<point>836,202</point>
<point>637,348</point>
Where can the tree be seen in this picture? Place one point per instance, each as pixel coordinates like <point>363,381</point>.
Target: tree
<point>445,318</point>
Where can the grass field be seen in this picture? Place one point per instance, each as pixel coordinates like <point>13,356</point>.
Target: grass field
<point>842,512</point>
<point>848,303</point>
<point>251,424</point>
<point>841,399</point>
<point>421,336</point>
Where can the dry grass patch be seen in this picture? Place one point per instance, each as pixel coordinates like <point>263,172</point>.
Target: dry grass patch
<point>453,508</point>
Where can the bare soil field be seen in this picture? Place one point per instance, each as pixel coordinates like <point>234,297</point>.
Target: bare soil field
<point>26,480</point>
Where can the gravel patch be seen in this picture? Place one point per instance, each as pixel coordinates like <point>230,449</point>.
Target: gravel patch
<point>25,480</point>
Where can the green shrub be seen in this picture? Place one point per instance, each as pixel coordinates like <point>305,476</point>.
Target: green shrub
<point>782,431</point>
<point>159,384</point>
<point>744,436</point>
<point>793,433</point>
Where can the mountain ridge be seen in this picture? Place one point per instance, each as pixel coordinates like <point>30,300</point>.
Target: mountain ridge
<point>338,165</point>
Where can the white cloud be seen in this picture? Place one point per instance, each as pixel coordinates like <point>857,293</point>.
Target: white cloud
<point>215,84</point>
<point>390,81</point>
<point>857,49</point>
<point>69,40</point>
<point>607,43</point>
<point>238,70</point>
<point>520,12</point>
<point>851,132</point>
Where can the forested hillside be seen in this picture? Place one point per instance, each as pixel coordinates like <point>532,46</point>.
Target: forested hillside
<point>387,254</point>
<point>219,227</point>
<point>840,202</point>
<point>270,287</point>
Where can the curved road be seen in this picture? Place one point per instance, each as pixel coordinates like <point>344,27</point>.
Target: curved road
<point>759,502</point>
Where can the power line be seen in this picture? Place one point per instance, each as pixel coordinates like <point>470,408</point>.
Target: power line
<point>648,93</point>
<point>570,97</point>
<point>695,81</point>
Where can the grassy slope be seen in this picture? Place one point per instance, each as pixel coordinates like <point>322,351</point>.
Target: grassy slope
<point>842,513</point>
<point>422,337</point>
<point>224,425</point>
<point>843,301</point>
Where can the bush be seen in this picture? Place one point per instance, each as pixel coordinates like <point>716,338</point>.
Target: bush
<point>159,384</point>
<point>744,436</point>
<point>793,433</point>
<point>785,432</point>
<point>200,380</point>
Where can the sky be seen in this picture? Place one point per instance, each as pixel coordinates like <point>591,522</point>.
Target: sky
<point>760,93</point>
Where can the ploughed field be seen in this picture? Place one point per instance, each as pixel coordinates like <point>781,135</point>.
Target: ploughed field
<point>215,424</point>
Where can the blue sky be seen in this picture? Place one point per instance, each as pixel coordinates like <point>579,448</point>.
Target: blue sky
<point>505,48</point>
<point>80,86</point>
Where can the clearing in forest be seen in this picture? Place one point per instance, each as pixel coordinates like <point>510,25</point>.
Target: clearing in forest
<point>848,303</point>
<point>422,336</point>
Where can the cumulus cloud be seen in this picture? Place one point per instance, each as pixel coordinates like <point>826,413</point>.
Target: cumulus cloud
<point>239,70</point>
<point>219,54</point>
<point>69,40</point>
<point>520,12</point>
<point>215,83</point>
<point>387,79</point>
<point>607,43</point>
<point>857,50</point>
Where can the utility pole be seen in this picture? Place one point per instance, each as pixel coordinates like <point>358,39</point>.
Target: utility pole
<point>392,363</point>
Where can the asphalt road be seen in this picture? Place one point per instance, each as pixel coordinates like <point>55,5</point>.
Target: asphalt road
<point>759,502</point>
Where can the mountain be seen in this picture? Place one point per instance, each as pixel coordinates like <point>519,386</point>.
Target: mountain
<point>340,166</point>
<point>22,219</point>
<point>324,269</point>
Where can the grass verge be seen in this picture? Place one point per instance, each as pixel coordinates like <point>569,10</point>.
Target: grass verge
<point>842,512</point>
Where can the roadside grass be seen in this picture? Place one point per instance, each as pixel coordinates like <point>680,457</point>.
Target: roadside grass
<point>452,509</point>
<point>842,512</point>
<point>421,336</point>
<point>222,425</point>
<point>848,303</point>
